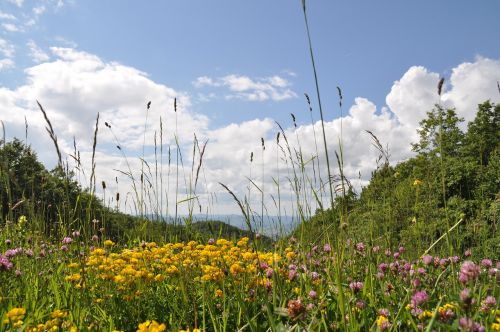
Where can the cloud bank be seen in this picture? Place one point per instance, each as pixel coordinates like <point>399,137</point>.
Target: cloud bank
<point>74,86</point>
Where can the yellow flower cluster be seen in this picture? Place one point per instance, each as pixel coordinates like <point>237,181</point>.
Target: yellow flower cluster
<point>447,308</point>
<point>496,326</point>
<point>15,317</point>
<point>56,322</point>
<point>151,326</point>
<point>151,263</point>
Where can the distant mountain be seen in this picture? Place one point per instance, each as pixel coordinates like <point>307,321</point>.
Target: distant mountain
<point>272,226</point>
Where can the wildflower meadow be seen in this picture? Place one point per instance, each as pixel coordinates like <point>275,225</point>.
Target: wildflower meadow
<point>415,249</point>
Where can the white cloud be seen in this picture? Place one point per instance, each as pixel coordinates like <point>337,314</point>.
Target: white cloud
<point>10,27</point>
<point>39,10</point>
<point>37,54</point>
<point>242,87</point>
<point>413,95</point>
<point>18,3</point>
<point>7,16</point>
<point>6,48</point>
<point>204,81</point>
<point>472,84</point>
<point>6,63</point>
<point>77,85</point>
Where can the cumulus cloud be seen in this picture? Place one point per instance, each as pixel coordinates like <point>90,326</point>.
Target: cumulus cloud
<point>472,83</point>
<point>37,54</point>
<point>74,85</point>
<point>77,85</point>
<point>413,95</point>
<point>243,87</point>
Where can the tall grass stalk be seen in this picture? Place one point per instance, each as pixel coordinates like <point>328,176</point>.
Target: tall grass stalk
<point>176,165</point>
<point>443,170</point>
<point>319,103</point>
<point>339,242</point>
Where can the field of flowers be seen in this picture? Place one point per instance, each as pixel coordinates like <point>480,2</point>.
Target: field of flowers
<point>222,285</point>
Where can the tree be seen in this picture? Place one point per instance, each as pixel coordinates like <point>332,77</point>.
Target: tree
<point>439,133</point>
<point>21,174</point>
<point>483,134</point>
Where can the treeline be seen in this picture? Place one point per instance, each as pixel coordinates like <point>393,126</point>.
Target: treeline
<point>55,205</point>
<point>450,191</point>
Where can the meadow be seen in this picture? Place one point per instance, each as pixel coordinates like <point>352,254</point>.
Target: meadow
<point>415,250</point>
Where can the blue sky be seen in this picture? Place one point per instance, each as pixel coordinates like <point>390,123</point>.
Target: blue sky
<point>239,64</point>
<point>362,46</point>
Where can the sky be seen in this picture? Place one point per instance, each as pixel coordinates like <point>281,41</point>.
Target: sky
<point>237,68</point>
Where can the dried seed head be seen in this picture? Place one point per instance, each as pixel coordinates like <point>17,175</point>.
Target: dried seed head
<point>440,85</point>
<point>340,96</point>
<point>307,98</point>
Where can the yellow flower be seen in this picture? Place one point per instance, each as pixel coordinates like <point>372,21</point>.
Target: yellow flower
<point>16,313</point>
<point>119,279</point>
<point>159,277</point>
<point>219,293</point>
<point>448,306</point>
<point>22,220</point>
<point>417,182</point>
<point>73,278</point>
<point>58,314</point>
<point>151,326</point>
<point>381,320</point>
<point>15,317</point>
<point>109,243</point>
<point>425,314</point>
<point>236,268</point>
<point>243,242</point>
<point>99,251</point>
<point>496,326</point>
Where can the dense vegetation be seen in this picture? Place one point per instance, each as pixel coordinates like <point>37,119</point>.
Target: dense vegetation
<point>417,249</point>
<point>55,205</point>
<point>453,179</point>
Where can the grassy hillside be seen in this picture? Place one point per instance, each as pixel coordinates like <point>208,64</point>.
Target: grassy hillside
<point>450,191</point>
